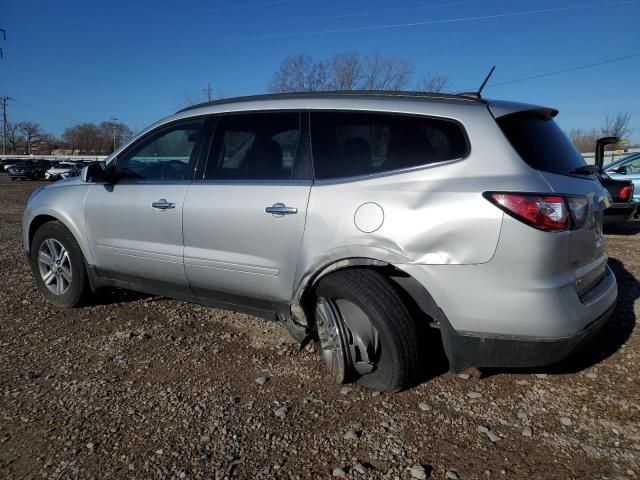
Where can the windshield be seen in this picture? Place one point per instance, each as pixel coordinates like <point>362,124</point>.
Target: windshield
<point>541,143</point>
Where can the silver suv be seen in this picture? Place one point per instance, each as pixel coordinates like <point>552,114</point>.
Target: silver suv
<point>353,219</point>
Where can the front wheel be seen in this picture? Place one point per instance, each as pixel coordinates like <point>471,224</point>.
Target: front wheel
<point>58,265</point>
<point>365,332</point>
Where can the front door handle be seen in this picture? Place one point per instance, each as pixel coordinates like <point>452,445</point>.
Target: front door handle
<point>163,204</point>
<point>280,209</point>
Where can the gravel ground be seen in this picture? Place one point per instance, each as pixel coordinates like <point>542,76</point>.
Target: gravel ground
<point>137,386</point>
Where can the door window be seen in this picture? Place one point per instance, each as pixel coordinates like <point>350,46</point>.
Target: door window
<point>254,146</point>
<point>347,144</point>
<point>164,155</point>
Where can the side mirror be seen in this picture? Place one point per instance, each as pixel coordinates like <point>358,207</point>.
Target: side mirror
<point>621,170</point>
<point>97,172</point>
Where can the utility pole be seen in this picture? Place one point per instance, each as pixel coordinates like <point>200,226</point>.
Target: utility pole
<point>207,91</point>
<point>114,130</point>
<point>4,123</point>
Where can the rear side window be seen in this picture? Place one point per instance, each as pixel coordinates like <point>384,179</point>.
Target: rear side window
<point>347,144</point>
<point>254,146</point>
<point>541,143</point>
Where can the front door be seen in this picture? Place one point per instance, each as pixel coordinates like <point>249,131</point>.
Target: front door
<point>134,225</point>
<point>244,218</point>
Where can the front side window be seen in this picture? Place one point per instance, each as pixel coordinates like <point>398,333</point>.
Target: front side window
<point>347,144</point>
<point>164,155</point>
<point>254,146</point>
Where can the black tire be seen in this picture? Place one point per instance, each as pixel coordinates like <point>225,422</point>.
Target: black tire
<point>13,179</point>
<point>398,360</point>
<point>78,286</point>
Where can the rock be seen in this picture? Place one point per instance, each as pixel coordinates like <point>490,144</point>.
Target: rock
<point>527,431</point>
<point>281,412</point>
<point>351,435</point>
<point>345,390</point>
<point>522,416</point>
<point>541,375</point>
<point>418,472</point>
<point>591,375</point>
<point>589,449</point>
<point>261,380</point>
<point>425,407</point>
<point>338,472</point>
<point>90,446</point>
<point>451,475</point>
<point>566,421</point>
<point>464,376</point>
<point>474,395</point>
<point>482,429</point>
<point>360,468</point>
<point>493,436</point>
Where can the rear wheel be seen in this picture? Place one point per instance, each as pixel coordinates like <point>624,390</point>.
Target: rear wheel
<point>364,330</point>
<point>58,265</point>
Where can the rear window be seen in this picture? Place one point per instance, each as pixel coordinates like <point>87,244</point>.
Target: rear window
<point>347,144</point>
<point>541,143</point>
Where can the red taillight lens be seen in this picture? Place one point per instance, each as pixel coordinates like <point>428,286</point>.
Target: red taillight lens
<point>626,193</point>
<point>545,212</point>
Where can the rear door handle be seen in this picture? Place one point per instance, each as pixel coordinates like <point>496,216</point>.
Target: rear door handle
<point>163,204</point>
<point>280,209</point>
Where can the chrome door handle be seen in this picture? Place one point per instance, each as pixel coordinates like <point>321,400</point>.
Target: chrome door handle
<point>163,204</point>
<point>280,209</point>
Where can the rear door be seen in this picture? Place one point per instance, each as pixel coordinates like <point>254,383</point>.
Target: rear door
<point>244,216</point>
<point>134,225</point>
<point>543,146</point>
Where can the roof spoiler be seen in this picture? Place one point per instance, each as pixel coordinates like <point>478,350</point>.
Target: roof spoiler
<point>600,144</point>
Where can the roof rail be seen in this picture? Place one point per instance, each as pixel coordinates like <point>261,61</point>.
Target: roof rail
<point>337,93</point>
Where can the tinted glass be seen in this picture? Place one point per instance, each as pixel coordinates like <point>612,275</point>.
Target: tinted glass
<point>541,143</point>
<point>254,146</point>
<point>161,156</point>
<point>347,144</point>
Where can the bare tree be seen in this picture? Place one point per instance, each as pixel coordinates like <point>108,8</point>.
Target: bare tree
<point>347,71</point>
<point>113,134</point>
<point>13,136</point>
<point>386,73</point>
<point>618,125</point>
<point>432,83</point>
<point>300,74</point>
<point>583,140</point>
<point>31,132</point>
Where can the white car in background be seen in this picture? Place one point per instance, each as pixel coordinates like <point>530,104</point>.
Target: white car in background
<point>63,170</point>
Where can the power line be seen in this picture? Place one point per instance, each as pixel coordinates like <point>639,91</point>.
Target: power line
<point>48,112</point>
<point>565,70</point>
<point>420,24</point>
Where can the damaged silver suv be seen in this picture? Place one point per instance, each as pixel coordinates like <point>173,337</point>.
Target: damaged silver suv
<point>355,219</point>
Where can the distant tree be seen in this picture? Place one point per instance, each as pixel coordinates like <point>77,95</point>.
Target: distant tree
<point>584,141</point>
<point>347,71</point>
<point>432,83</point>
<point>617,125</point>
<point>47,143</point>
<point>300,74</point>
<point>85,138</point>
<point>114,135</point>
<point>13,137</point>
<point>343,71</point>
<point>31,132</point>
<point>386,73</point>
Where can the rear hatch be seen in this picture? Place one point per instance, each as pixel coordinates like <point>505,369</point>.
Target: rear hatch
<point>543,146</point>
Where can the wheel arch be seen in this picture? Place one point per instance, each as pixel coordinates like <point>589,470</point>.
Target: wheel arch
<point>44,217</point>
<point>413,291</point>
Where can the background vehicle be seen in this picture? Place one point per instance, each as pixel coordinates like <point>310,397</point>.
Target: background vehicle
<point>29,170</point>
<point>357,220</point>
<point>63,170</point>
<point>622,190</point>
<point>9,162</point>
<point>626,168</point>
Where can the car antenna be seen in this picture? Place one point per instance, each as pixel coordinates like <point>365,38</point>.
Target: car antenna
<point>478,94</point>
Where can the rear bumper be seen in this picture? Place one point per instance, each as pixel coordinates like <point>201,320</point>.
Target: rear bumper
<point>469,350</point>
<point>620,212</point>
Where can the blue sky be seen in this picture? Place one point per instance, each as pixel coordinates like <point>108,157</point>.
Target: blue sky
<point>67,61</point>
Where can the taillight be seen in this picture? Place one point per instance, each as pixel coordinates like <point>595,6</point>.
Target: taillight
<point>545,212</point>
<point>626,193</point>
